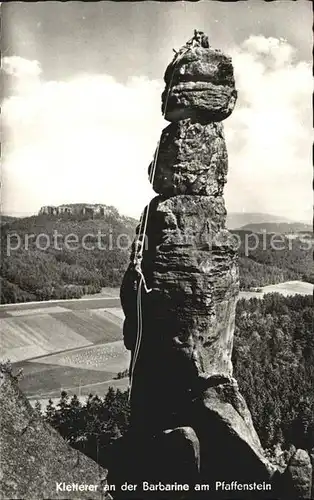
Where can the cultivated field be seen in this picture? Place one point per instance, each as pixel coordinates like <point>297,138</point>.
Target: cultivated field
<point>105,357</point>
<point>287,288</point>
<point>81,371</point>
<point>77,345</point>
<point>29,333</point>
<point>82,391</point>
<point>74,346</point>
<point>38,334</point>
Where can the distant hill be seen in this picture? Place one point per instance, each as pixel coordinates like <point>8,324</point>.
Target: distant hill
<point>5,219</point>
<point>237,220</point>
<point>278,227</point>
<point>265,259</point>
<point>91,251</point>
<point>64,256</point>
<point>92,210</point>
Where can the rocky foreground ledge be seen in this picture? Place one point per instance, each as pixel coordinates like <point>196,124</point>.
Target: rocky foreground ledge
<point>35,462</point>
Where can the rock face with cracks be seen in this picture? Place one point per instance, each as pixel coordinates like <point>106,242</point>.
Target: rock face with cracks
<point>199,84</point>
<point>190,263</point>
<point>191,159</point>
<point>183,370</point>
<point>184,400</point>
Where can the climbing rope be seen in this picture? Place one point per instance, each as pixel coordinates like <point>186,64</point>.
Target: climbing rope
<point>140,241</point>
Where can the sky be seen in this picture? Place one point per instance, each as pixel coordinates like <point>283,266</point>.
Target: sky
<point>81,110</point>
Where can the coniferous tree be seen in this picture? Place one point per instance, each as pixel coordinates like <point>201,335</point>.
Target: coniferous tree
<point>50,415</point>
<point>37,407</point>
<point>63,415</point>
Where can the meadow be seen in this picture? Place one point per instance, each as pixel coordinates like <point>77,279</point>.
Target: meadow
<point>78,346</point>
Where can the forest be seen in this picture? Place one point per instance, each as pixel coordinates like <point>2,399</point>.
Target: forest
<point>66,257</point>
<point>273,359</point>
<point>275,259</point>
<point>46,257</point>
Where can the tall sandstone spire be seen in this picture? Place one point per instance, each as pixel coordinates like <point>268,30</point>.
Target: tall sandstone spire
<point>184,400</point>
<point>189,259</point>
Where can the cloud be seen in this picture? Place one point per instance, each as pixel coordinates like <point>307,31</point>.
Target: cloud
<point>20,67</point>
<point>269,134</point>
<point>87,139</point>
<point>24,74</point>
<point>277,50</point>
<point>91,138</point>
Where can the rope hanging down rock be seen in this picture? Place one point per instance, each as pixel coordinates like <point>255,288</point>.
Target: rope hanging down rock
<point>140,241</point>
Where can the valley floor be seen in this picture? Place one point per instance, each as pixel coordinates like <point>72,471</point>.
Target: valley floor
<point>76,345</point>
<point>286,288</point>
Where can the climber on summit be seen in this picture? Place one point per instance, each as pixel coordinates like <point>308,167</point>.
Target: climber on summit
<point>198,40</point>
